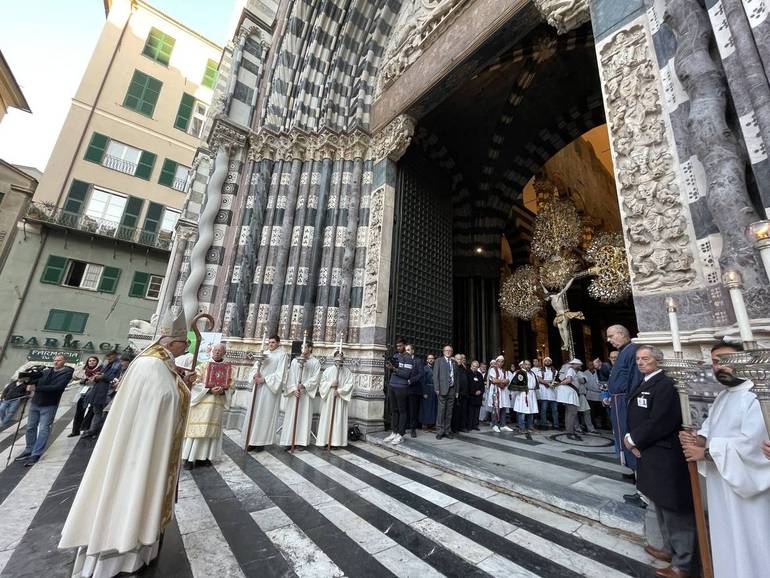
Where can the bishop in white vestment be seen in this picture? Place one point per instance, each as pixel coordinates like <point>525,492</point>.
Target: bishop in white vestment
<point>301,388</point>
<point>336,383</point>
<point>210,397</point>
<point>728,450</point>
<point>269,383</point>
<point>126,497</point>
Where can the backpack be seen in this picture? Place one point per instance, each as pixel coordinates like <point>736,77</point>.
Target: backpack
<point>354,434</point>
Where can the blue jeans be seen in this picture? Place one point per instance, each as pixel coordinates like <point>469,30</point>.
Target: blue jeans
<point>37,438</point>
<point>544,405</point>
<point>530,420</point>
<point>7,409</point>
<point>503,412</point>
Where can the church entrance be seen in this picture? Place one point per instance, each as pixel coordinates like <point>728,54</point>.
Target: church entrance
<point>522,133</point>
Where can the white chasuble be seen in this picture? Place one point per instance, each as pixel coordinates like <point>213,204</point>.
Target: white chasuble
<point>126,497</point>
<point>303,408</point>
<point>268,399</point>
<point>526,401</point>
<point>345,387</point>
<point>203,436</point>
<point>737,484</point>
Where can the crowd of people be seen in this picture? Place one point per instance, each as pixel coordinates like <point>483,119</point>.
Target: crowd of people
<point>447,395</point>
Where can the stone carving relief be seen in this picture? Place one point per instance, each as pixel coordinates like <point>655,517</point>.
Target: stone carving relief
<point>373,250</point>
<point>223,134</point>
<point>419,23</point>
<point>393,140</point>
<point>564,15</point>
<point>655,226</point>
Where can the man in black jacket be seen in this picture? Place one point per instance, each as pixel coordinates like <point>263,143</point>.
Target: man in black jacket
<point>415,392</point>
<point>477,395</point>
<point>403,373</point>
<point>47,389</point>
<point>654,420</point>
<point>460,415</point>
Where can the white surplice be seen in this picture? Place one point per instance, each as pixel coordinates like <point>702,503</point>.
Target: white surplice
<point>268,398</point>
<point>203,436</point>
<point>126,497</point>
<point>737,484</point>
<point>345,389</point>
<point>565,393</point>
<point>503,395</point>
<point>547,393</point>
<point>526,401</point>
<point>311,375</point>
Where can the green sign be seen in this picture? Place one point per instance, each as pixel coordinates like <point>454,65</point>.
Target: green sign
<point>47,355</point>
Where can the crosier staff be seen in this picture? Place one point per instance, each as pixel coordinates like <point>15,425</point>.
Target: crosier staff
<point>335,384</point>
<point>260,357</point>
<point>301,361</point>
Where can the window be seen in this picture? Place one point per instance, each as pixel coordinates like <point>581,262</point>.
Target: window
<point>145,285</point>
<point>83,275</point>
<point>79,274</point>
<point>210,76</point>
<point>120,156</point>
<point>69,321</point>
<point>173,175</point>
<point>191,115</point>
<point>170,217</point>
<point>143,93</point>
<point>158,46</point>
<point>105,206</point>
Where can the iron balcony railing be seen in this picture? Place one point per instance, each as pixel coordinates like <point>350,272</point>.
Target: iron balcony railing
<point>179,184</point>
<point>118,164</point>
<point>56,216</point>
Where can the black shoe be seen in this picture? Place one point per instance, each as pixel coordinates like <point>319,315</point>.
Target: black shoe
<point>86,436</point>
<point>577,438</point>
<point>22,456</point>
<point>414,433</point>
<point>74,434</point>
<point>439,436</point>
<point>449,435</point>
<point>188,465</point>
<point>31,461</point>
<point>629,477</point>
<point>634,500</point>
<point>475,429</point>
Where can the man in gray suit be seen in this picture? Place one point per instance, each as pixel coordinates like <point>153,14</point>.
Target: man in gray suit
<point>444,380</point>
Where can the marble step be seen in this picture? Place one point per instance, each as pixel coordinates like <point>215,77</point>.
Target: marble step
<point>540,472</point>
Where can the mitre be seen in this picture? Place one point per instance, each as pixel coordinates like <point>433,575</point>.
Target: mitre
<point>172,325</point>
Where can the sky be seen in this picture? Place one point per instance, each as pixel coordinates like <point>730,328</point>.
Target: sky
<point>47,44</point>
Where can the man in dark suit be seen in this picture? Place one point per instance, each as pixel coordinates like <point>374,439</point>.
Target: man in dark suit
<point>460,421</point>
<point>477,395</point>
<point>415,392</point>
<point>654,420</point>
<point>444,382</point>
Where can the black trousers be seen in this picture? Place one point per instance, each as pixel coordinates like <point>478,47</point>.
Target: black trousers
<point>460,420</point>
<point>414,410</point>
<point>399,409</point>
<point>473,412</point>
<point>82,420</point>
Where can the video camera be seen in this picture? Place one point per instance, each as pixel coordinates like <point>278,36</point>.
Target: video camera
<point>31,373</point>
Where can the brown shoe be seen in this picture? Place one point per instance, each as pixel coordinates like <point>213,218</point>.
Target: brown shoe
<point>657,553</point>
<point>671,572</point>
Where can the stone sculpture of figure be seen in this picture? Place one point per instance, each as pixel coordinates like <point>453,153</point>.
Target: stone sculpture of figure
<point>564,15</point>
<point>563,315</point>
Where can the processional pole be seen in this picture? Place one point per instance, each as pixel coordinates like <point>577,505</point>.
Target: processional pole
<point>301,361</point>
<point>338,363</point>
<point>260,356</point>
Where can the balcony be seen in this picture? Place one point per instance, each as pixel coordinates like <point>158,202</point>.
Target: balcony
<point>51,215</point>
<point>118,164</point>
<point>179,184</point>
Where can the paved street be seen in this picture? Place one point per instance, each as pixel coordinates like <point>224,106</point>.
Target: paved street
<point>365,511</point>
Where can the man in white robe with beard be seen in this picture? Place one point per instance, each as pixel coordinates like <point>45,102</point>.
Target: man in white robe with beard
<point>728,449</point>
<point>126,497</point>
<point>301,388</point>
<point>210,397</point>
<point>268,380</point>
<point>336,383</point>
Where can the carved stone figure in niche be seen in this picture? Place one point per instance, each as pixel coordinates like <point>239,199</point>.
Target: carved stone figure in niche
<point>564,15</point>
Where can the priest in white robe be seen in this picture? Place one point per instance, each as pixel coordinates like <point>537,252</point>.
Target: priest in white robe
<point>301,388</point>
<point>336,390</point>
<point>728,449</point>
<point>126,497</point>
<point>269,381</point>
<point>498,396</point>
<point>210,397</point>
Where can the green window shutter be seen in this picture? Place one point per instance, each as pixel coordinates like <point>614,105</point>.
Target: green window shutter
<point>54,270</point>
<point>109,281</point>
<point>131,213</point>
<point>145,166</point>
<point>57,320</point>
<point>185,111</point>
<point>168,172</point>
<point>139,284</point>
<point>154,215</point>
<point>76,198</point>
<point>159,46</point>
<point>96,148</point>
<point>210,76</point>
<point>143,93</point>
<point>77,322</point>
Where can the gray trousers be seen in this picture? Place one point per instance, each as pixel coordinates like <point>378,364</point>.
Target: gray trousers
<point>678,531</point>
<point>446,404</point>
<point>570,417</point>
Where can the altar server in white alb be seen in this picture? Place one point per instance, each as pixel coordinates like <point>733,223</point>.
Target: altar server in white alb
<point>728,449</point>
<point>525,403</point>
<point>269,383</point>
<point>210,397</point>
<point>336,383</point>
<point>301,388</point>
<point>126,497</point>
<point>567,394</point>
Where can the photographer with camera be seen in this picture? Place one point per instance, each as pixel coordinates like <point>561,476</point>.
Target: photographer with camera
<point>16,391</point>
<point>46,389</point>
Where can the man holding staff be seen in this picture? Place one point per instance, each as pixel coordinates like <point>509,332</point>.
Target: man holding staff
<point>268,379</point>
<point>728,450</point>
<point>301,388</point>
<point>336,390</point>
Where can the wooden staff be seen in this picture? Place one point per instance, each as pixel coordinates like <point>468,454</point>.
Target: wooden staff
<point>697,497</point>
<point>260,358</point>
<point>338,362</point>
<point>301,361</point>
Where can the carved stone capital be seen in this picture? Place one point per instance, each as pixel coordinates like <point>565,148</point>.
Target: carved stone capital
<point>262,145</point>
<point>226,135</point>
<point>564,15</point>
<point>393,140</point>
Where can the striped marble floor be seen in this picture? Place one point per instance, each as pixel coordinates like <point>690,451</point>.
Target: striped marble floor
<point>358,512</point>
